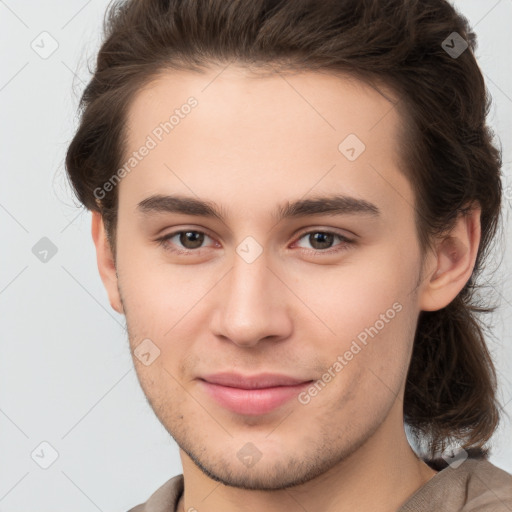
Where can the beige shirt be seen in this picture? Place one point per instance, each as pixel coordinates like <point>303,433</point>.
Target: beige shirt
<point>475,485</point>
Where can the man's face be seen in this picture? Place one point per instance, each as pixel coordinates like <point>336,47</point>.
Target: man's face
<point>329,297</point>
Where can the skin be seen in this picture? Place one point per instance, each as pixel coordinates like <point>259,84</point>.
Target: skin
<point>251,144</point>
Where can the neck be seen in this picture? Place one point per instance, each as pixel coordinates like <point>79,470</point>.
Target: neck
<point>379,476</point>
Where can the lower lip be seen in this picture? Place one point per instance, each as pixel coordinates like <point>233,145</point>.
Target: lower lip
<point>252,401</point>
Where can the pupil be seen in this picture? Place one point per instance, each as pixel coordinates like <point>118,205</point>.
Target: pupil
<point>324,239</point>
<point>191,239</point>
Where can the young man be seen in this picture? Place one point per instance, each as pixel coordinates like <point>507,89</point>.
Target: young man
<point>291,201</point>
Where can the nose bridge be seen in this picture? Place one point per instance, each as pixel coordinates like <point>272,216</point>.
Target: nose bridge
<point>248,308</point>
<point>248,281</point>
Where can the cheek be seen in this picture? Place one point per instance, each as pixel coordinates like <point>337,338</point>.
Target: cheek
<point>156,294</point>
<point>364,290</point>
<point>167,397</point>
<point>366,368</point>
<point>368,315</point>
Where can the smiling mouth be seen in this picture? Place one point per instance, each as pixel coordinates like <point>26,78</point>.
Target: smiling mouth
<point>253,398</point>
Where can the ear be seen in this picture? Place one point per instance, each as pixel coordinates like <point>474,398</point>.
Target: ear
<point>105,259</point>
<point>452,263</point>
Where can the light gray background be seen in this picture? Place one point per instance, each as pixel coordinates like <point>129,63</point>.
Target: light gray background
<point>65,368</point>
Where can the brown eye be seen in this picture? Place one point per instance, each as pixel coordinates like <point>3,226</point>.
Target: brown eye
<point>191,239</point>
<point>185,241</point>
<point>323,241</point>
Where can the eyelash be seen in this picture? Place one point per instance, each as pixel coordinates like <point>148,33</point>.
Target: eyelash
<point>344,245</point>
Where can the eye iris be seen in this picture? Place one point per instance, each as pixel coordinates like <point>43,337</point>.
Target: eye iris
<point>324,239</point>
<point>193,237</point>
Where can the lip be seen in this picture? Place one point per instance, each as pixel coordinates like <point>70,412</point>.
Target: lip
<point>252,395</point>
<point>261,380</point>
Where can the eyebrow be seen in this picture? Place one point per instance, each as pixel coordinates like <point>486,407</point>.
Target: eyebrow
<point>319,205</point>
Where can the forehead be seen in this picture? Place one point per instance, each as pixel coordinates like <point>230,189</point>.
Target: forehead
<point>237,97</point>
<point>237,134</point>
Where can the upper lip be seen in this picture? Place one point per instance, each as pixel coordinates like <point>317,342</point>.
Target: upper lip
<point>262,380</point>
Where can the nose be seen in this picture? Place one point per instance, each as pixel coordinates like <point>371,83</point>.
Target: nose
<point>251,305</point>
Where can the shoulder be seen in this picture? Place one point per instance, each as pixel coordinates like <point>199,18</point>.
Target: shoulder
<point>474,485</point>
<point>164,499</point>
<point>489,488</point>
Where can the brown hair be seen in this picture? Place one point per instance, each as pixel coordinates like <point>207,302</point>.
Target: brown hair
<point>446,147</point>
